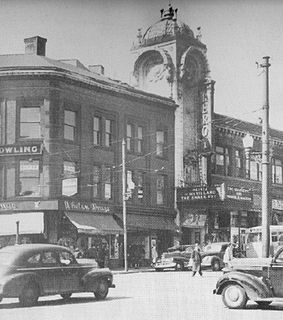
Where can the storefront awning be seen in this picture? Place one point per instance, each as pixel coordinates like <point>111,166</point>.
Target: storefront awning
<point>143,222</point>
<point>89,223</point>
<point>29,223</point>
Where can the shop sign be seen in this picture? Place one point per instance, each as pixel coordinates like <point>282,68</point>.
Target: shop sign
<point>84,206</point>
<point>7,206</point>
<point>14,150</point>
<point>277,204</point>
<point>207,104</point>
<point>197,193</point>
<point>238,193</point>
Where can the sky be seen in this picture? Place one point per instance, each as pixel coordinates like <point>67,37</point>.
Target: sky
<point>238,34</point>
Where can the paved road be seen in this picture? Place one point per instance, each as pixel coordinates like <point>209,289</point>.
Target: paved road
<point>143,296</point>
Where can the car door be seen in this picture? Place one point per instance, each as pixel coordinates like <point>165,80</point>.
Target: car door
<point>70,280</point>
<point>276,275</point>
<point>50,272</point>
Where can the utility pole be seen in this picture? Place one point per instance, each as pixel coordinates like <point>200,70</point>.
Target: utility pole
<point>124,203</point>
<point>266,206</point>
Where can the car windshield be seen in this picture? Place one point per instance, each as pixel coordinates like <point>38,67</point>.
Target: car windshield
<point>6,258</point>
<point>254,237</point>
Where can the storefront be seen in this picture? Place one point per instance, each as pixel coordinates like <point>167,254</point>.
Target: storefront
<point>148,236</point>
<point>27,222</point>
<point>213,213</point>
<point>92,229</point>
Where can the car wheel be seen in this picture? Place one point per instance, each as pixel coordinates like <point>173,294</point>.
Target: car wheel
<point>102,290</point>
<point>29,294</point>
<point>263,304</point>
<point>215,266</point>
<point>66,296</point>
<point>234,297</point>
<point>179,266</point>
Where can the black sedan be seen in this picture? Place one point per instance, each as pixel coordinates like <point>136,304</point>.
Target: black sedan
<point>32,270</point>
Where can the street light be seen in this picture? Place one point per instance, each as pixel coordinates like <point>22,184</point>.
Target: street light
<point>265,162</point>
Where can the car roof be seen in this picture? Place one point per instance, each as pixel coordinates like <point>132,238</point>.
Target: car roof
<point>31,247</point>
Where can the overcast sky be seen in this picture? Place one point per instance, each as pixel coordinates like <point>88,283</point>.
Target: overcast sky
<point>237,34</point>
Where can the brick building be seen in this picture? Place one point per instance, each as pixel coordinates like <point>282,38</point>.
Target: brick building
<point>61,132</point>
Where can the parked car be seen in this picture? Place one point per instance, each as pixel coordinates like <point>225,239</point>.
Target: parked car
<point>176,258</point>
<point>212,255</point>
<point>29,271</point>
<point>256,279</point>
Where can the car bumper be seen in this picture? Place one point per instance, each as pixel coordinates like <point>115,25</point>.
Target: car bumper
<point>165,266</point>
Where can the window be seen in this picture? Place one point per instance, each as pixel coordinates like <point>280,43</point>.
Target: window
<point>70,125</point>
<point>222,161</point>
<point>108,132</point>
<point>161,143</point>
<point>49,258</point>
<point>29,178</point>
<point>276,171</point>
<point>255,170</point>
<point>30,123</point>
<point>140,140</point>
<point>108,184</point>
<point>96,182</point>
<point>66,258</point>
<point>130,136</point>
<point>238,164</point>
<point>96,131</point>
<point>160,190</point>
<point>34,260</point>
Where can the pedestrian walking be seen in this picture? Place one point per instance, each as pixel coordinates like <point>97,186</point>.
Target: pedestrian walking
<point>228,254</point>
<point>196,260</point>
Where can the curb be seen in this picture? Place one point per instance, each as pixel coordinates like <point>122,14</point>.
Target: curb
<point>132,271</point>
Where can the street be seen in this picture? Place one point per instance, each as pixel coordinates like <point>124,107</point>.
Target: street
<point>143,296</point>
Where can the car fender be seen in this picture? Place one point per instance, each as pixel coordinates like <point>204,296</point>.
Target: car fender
<point>14,284</point>
<point>255,287</point>
<point>90,279</point>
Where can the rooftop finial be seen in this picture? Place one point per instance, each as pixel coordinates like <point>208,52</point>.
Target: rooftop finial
<point>169,14</point>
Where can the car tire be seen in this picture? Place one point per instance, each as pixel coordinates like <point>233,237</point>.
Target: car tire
<point>102,290</point>
<point>179,266</point>
<point>159,270</point>
<point>66,296</point>
<point>234,297</point>
<point>215,265</point>
<point>263,304</point>
<point>29,294</point>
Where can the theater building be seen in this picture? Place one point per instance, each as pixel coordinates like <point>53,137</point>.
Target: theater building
<point>218,191</point>
<point>61,131</point>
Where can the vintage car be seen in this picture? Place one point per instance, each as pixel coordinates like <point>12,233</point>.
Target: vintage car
<point>212,257</point>
<point>176,258</point>
<point>255,279</point>
<point>29,271</point>
<point>180,258</point>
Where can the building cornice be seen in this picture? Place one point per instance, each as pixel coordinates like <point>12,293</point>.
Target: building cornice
<point>65,74</point>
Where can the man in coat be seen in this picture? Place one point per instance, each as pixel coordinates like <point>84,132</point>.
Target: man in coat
<point>196,260</point>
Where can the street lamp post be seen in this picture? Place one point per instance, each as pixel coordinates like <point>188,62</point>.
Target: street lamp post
<point>265,163</point>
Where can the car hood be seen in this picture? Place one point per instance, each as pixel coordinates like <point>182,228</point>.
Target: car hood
<point>249,263</point>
